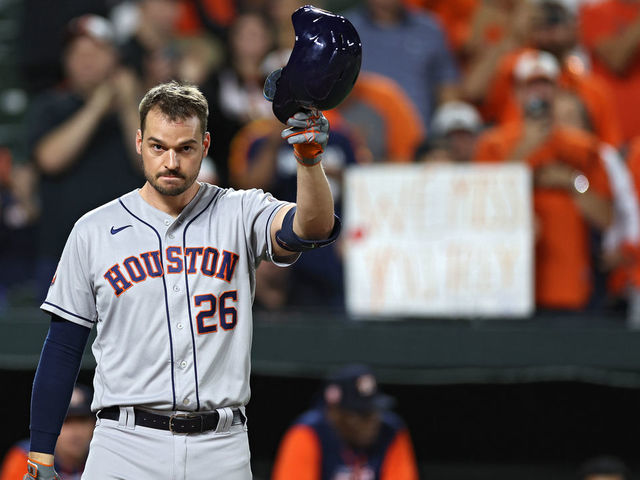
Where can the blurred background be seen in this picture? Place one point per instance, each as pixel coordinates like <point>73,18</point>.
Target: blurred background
<point>487,169</point>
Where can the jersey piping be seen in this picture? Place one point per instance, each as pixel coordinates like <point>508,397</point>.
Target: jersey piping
<point>186,284</point>
<point>166,302</point>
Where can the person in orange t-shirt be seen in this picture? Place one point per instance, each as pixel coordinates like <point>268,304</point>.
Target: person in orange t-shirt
<point>455,16</point>
<point>610,30</point>
<point>351,435</point>
<point>553,29</point>
<point>628,273</point>
<point>72,446</point>
<point>619,256</point>
<point>571,189</point>
<point>382,117</point>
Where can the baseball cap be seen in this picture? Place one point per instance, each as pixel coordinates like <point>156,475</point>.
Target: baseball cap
<point>557,11</point>
<point>93,26</point>
<point>80,404</point>
<point>455,115</point>
<point>355,388</point>
<point>535,64</point>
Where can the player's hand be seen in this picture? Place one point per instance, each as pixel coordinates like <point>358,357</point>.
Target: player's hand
<point>39,471</point>
<point>308,133</point>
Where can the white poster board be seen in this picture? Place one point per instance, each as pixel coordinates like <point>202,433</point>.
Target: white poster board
<point>438,240</point>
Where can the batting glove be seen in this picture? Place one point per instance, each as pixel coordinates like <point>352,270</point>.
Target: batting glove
<point>40,471</point>
<point>308,134</point>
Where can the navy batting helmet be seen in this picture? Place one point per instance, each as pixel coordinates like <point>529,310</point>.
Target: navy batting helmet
<point>323,65</point>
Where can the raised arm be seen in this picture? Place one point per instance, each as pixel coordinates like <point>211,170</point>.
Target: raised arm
<point>59,149</point>
<point>312,223</point>
<point>619,49</point>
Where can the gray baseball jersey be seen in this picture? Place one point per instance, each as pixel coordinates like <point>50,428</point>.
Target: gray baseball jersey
<point>171,298</point>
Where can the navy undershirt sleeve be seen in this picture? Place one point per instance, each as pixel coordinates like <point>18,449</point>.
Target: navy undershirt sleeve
<point>54,381</point>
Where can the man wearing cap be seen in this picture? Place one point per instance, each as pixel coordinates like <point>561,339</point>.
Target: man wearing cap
<point>76,136</point>
<point>571,188</point>
<point>350,435</point>
<point>551,26</point>
<point>454,133</point>
<point>72,446</point>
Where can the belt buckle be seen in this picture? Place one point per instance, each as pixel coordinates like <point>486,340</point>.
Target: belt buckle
<point>185,416</point>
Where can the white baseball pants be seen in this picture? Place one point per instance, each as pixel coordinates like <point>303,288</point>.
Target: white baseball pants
<point>121,450</point>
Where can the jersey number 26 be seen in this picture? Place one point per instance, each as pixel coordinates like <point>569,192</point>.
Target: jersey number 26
<point>227,315</point>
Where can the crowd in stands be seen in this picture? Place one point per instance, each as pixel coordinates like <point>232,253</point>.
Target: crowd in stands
<point>552,84</point>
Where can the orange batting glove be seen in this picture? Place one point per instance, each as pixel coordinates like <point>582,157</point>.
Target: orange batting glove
<point>308,133</point>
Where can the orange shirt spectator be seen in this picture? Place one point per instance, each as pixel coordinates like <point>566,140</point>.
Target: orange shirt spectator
<point>611,32</point>
<point>501,105</point>
<point>620,242</point>
<point>563,278</point>
<point>455,16</point>
<point>379,112</point>
<point>495,25</point>
<point>629,272</point>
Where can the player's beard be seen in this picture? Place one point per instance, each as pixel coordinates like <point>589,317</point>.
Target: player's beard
<point>171,190</point>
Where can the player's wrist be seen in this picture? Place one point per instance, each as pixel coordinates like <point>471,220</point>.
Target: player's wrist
<point>308,154</point>
<point>41,458</point>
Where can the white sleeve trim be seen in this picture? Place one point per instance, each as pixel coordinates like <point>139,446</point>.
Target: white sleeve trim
<point>67,315</point>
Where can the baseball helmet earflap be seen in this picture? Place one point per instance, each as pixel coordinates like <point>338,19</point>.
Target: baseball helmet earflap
<point>323,66</point>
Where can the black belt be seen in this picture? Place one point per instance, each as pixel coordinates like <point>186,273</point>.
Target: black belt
<point>176,423</point>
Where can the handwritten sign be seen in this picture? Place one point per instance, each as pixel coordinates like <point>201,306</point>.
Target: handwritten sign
<point>438,240</point>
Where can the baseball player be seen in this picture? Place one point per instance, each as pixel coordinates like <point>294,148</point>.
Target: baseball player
<point>166,275</point>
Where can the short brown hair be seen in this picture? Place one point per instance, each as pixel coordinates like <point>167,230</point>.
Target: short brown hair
<point>177,101</point>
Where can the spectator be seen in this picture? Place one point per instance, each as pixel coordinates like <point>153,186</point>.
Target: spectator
<point>41,44</point>
<point>235,91</point>
<point>408,47</point>
<point>198,56</point>
<point>434,151</point>
<point>90,114</point>
<point>350,434</point>
<point>604,468</point>
<point>571,188</point>
<point>18,212</point>
<point>382,120</point>
<point>455,16</point>
<point>72,446</point>
<point>551,27</point>
<point>491,22</point>
<point>627,280</point>
<point>610,30</point>
<point>620,249</point>
<point>497,28</point>
<point>280,12</point>
<point>455,127</point>
<point>272,288</point>
<point>151,50</point>
<point>206,16</point>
